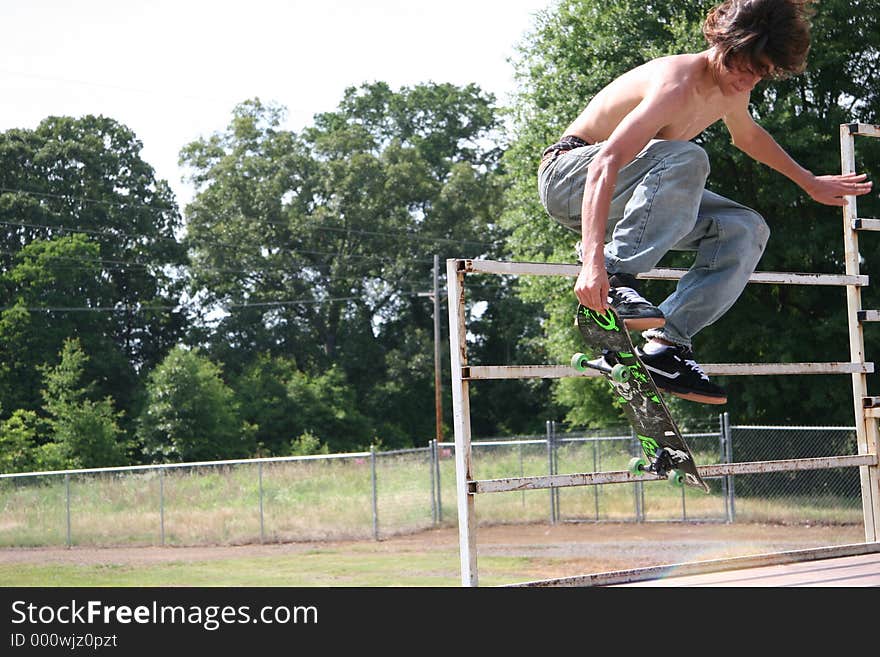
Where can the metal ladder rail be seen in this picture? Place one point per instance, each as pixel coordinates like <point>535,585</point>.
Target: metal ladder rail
<point>866,408</point>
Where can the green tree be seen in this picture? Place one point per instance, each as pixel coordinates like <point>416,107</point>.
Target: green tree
<point>577,47</point>
<point>261,392</point>
<point>88,250</point>
<point>307,445</point>
<point>190,413</point>
<point>294,412</point>
<point>18,442</point>
<point>326,409</point>
<point>85,430</point>
<point>318,244</point>
<point>55,274</point>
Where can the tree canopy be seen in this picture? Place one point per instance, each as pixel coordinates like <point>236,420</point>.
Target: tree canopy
<point>89,251</point>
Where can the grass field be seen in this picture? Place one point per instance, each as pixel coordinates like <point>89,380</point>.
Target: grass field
<point>507,554</point>
<point>333,500</point>
<point>326,568</point>
<point>310,523</point>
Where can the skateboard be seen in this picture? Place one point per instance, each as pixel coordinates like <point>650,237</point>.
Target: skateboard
<point>666,454</point>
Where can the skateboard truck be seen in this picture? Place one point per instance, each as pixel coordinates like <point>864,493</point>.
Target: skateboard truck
<point>618,372</point>
<point>661,464</point>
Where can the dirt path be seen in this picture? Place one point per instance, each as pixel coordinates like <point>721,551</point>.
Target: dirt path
<point>556,550</point>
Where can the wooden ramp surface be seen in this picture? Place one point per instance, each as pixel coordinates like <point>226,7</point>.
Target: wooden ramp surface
<point>852,565</point>
<point>854,571</point>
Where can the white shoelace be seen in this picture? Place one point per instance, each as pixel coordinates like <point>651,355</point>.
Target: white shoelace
<point>629,295</point>
<point>694,366</point>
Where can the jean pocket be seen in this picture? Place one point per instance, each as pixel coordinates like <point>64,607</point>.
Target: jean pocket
<point>548,189</point>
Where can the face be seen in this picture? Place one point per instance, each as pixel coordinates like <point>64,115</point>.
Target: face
<point>740,75</point>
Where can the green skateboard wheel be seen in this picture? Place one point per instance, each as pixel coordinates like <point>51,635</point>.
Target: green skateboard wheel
<point>579,362</point>
<point>620,373</point>
<point>637,465</point>
<point>676,478</point>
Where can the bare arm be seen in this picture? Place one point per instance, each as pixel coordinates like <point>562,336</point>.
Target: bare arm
<point>757,143</point>
<point>630,136</point>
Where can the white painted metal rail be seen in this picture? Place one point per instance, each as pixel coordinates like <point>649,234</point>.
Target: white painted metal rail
<point>706,472</point>
<point>866,419</point>
<point>485,372</point>
<point>558,269</point>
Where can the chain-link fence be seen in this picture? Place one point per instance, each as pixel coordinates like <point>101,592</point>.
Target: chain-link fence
<point>339,496</point>
<point>594,451</point>
<point>831,495</point>
<point>375,494</point>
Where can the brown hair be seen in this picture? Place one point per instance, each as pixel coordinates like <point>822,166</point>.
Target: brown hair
<point>763,33</point>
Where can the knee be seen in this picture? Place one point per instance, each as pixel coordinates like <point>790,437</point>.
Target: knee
<point>755,232</point>
<point>689,156</point>
<point>695,158</point>
<point>760,230</point>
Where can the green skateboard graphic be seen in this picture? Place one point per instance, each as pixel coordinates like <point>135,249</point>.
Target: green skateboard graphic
<point>666,453</point>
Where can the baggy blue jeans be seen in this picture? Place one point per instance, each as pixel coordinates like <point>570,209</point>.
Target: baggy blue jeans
<point>661,204</point>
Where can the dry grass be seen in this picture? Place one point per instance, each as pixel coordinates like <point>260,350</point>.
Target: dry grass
<point>333,500</point>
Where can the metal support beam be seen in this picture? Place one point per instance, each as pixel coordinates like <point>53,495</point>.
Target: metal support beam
<point>553,269</point>
<point>866,224</point>
<point>865,129</point>
<point>461,420</point>
<point>485,372</point>
<point>866,423</point>
<point>706,471</point>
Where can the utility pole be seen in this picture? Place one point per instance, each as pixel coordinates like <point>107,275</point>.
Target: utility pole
<point>438,396</point>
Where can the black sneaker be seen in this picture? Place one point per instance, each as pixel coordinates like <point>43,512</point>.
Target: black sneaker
<point>675,371</point>
<point>637,313</point>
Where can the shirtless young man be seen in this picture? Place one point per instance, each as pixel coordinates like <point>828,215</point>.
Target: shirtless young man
<point>626,177</point>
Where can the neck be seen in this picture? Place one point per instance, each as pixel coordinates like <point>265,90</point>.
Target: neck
<point>711,65</point>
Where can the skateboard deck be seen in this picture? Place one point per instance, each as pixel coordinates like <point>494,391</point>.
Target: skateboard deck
<point>666,452</point>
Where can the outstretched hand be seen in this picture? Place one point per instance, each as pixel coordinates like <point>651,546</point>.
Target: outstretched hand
<point>831,190</point>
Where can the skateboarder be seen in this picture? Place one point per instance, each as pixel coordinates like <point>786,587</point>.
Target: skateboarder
<point>626,178</point>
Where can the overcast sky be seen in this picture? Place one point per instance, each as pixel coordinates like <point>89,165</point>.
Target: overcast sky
<point>172,70</point>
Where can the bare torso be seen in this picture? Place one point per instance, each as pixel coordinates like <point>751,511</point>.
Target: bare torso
<point>702,100</point>
<point>675,98</point>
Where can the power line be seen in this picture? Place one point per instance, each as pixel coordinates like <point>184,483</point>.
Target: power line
<point>227,306</point>
<point>81,199</point>
<point>237,246</point>
<point>78,263</point>
<point>404,234</point>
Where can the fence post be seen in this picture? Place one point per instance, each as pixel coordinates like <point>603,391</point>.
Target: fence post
<point>521,472</point>
<point>260,477</point>
<point>67,489</point>
<point>722,458</point>
<point>162,505</point>
<point>731,492</point>
<point>439,482</point>
<point>638,492</point>
<point>375,494</point>
<point>684,513</point>
<point>596,469</point>
<point>432,464</point>
<point>556,491</point>
<point>550,472</point>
